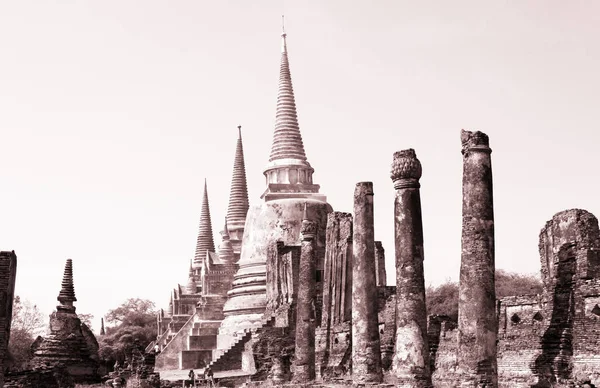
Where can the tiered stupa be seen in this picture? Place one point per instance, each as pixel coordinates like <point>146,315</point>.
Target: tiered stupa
<point>278,218</point>
<point>188,330</point>
<point>69,342</point>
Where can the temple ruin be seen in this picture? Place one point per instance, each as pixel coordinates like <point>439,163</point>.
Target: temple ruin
<point>296,292</point>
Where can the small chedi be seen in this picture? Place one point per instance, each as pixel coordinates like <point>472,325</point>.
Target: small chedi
<point>69,342</point>
<point>296,294</point>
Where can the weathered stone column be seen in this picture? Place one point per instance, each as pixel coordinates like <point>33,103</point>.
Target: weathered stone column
<point>305,311</point>
<point>411,357</point>
<point>366,352</point>
<point>477,321</point>
<point>380,264</point>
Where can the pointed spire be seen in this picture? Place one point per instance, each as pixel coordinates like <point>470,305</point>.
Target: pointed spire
<point>205,235</point>
<point>66,296</point>
<point>238,195</point>
<point>102,332</point>
<point>287,141</point>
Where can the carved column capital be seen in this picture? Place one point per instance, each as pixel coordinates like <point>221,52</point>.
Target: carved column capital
<point>308,230</point>
<point>406,170</point>
<point>474,141</point>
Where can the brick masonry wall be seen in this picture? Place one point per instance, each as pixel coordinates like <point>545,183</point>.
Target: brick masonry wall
<point>8,272</point>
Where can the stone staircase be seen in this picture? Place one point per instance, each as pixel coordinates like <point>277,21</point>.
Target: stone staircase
<point>231,357</point>
<point>201,342</point>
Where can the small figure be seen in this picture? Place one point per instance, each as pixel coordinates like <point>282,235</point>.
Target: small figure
<point>192,378</point>
<point>208,376</point>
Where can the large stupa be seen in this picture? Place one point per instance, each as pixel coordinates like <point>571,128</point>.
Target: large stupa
<point>278,217</point>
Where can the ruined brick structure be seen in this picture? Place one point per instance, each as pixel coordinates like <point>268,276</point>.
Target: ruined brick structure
<point>69,342</point>
<point>552,339</point>
<point>8,273</point>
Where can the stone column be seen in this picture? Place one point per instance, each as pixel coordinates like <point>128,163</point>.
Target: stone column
<point>411,357</point>
<point>477,321</point>
<point>366,352</point>
<point>380,264</point>
<point>305,311</point>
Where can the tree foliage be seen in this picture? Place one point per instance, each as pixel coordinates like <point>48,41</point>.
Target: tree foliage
<point>443,299</point>
<point>27,324</point>
<point>513,284</point>
<point>87,319</point>
<point>134,323</point>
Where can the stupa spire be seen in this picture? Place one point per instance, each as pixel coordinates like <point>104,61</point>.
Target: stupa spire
<point>288,173</point>
<point>66,296</point>
<point>205,235</point>
<point>102,331</point>
<point>287,140</point>
<point>238,194</point>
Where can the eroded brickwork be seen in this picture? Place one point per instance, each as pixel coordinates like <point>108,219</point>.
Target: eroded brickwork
<point>8,272</point>
<point>547,340</point>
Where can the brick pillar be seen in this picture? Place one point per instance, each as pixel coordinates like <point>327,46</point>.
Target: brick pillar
<point>380,264</point>
<point>411,357</point>
<point>8,272</point>
<point>305,310</point>
<point>477,321</point>
<point>366,353</point>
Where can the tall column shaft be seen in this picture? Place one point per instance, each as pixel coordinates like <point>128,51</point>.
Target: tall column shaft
<point>477,321</point>
<point>411,357</point>
<point>366,353</point>
<point>305,310</point>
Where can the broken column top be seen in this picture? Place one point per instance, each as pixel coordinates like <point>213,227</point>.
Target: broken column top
<point>364,187</point>
<point>66,296</point>
<point>474,141</point>
<point>406,169</point>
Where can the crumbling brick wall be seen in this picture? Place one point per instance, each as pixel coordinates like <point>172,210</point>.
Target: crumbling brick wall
<point>443,345</point>
<point>8,272</point>
<point>334,346</point>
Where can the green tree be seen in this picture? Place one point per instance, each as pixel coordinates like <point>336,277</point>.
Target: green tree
<point>134,322</point>
<point>443,299</point>
<point>27,324</point>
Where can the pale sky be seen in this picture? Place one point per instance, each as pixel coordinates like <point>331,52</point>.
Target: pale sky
<point>112,113</point>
